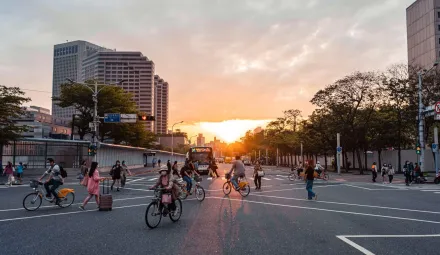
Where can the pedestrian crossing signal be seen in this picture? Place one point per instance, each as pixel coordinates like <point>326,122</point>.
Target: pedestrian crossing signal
<point>92,150</point>
<point>144,117</point>
<point>418,149</point>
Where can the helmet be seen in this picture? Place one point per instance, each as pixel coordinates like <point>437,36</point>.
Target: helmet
<point>162,170</point>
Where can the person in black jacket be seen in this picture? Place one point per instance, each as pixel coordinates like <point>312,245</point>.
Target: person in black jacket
<point>310,176</point>
<point>116,174</point>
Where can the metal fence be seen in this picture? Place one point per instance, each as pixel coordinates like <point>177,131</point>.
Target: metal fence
<point>33,152</point>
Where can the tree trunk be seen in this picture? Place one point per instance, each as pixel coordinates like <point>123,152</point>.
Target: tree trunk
<point>291,158</point>
<point>346,162</point>
<point>1,157</point>
<point>358,154</point>
<point>325,160</point>
<point>354,160</point>
<point>316,158</point>
<point>365,158</point>
<point>399,142</point>
<point>295,156</point>
<point>379,152</point>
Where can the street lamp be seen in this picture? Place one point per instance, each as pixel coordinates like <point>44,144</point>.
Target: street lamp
<point>421,117</point>
<point>95,93</point>
<point>172,138</point>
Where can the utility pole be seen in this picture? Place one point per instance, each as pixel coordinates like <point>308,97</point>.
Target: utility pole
<point>73,126</point>
<point>338,153</point>
<point>436,154</point>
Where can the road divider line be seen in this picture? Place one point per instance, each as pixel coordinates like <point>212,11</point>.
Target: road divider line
<point>137,189</point>
<point>326,210</point>
<point>136,180</point>
<point>355,245</point>
<point>153,179</point>
<point>339,203</point>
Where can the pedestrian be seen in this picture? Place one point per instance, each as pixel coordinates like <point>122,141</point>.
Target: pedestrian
<point>154,162</point>
<point>258,174</point>
<point>158,163</point>
<point>9,171</point>
<point>374,171</point>
<point>390,173</point>
<point>406,172</point>
<point>175,169</point>
<point>116,175</point>
<point>20,172</point>
<point>300,169</point>
<point>125,171</point>
<point>411,172</point>
<point>93,185</point>
<point>213,168</point>
<point>384,171</point>
<point>169,167</point>
<point>310,176</point>
<point>83,172</point>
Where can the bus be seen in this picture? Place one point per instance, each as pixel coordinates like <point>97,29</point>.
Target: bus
<point>228,160</point>
<point>202,155</point>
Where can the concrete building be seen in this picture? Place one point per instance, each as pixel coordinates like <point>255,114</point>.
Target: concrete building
<point>110,67</point>
<point>200,140</point>
<point>41,124</point>
<point>423,32</point>
<point>161,105</point>
<point>67,63</point>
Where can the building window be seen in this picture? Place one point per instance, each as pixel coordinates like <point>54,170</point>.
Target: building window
<point>438,15</point>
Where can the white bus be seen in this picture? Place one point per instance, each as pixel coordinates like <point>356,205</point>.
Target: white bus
<point>201,157</point>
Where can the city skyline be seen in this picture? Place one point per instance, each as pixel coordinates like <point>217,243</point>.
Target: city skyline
<point>279,52</point>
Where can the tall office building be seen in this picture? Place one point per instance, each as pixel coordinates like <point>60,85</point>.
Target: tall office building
<point>200,140</point>
<point>161,107</point>
<point>423,32</point>
<point>67,63</point>
<point>110,67</point>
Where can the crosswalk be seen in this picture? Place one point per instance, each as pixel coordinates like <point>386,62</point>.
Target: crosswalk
<point>415,187</point>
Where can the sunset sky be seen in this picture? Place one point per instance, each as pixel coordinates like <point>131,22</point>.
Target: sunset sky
<point>241,60</point>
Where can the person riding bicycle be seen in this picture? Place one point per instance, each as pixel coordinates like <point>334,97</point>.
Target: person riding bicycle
<point>169,183</point>
<point>187,172</point>
<point>239,171</point>
<point>318,168</point>
<point>55,180</point>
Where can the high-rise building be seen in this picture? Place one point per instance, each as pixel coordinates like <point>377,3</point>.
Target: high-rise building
<point>200,140</point>
<point>67,63</point>
<point>161,105</point>
<point>110,67</point>
<point>423,32</point>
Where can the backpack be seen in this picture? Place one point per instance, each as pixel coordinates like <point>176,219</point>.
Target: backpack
<point>63,172</point>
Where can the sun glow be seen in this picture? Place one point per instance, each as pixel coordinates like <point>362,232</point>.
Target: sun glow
<point>231,130</point>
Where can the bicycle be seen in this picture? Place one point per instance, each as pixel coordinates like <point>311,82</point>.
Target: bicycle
<point>197,189</point>
<point>66,196</point>
<point>158,209</point>
<point>293,174</point>
<point>243,185</point>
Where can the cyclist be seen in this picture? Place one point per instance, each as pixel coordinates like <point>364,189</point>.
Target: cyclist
<point>187,172</point>
<point>167,181</point>
<point>55,180</point>
<point>318,168</point>
<point>238,166</point>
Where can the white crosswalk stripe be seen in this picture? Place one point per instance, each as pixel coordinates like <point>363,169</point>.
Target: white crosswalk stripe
<point>153,179</point>
<point>267,179</point>
<point>279,179</point>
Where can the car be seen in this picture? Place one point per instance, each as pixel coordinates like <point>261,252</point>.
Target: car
<point>247,162</point>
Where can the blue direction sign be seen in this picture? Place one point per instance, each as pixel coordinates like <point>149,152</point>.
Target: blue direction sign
<point>112,117</point>
<point>339,149</point>
<point>434,147</point>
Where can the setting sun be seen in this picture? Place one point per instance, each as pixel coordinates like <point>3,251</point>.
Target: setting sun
<point>231,130</point>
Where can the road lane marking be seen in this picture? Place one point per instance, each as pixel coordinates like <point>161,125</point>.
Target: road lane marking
<point>326,210</point>
<point>47,206</point>
<point>153,179</point>
<point>355,245</point>
<point>267,179</point>
<point>137,189</point>
<point>339,203</point>
<point>279,179</point>
<point>430,190</point>
<point>140,179</point>
<point>267,191</point>
<point>395,188</point>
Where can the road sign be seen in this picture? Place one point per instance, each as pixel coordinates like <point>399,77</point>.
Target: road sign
<point>112,117</point>
<point>434,147</point>
<point>339,149</point>
<point>128,118</point>
<point>91,125</point>
<point>437,108</point>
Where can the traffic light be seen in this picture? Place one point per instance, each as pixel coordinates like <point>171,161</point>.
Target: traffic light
<point>144,117</point>
<point>418,149</point>
<point>92,150</point>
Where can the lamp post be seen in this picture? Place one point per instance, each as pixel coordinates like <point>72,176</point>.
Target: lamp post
<point>172,138</point>
<point>191,139</point>
<point>422,117</point>
<point>95,93</point>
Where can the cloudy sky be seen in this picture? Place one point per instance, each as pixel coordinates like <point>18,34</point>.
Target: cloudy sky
<point>224,59</point>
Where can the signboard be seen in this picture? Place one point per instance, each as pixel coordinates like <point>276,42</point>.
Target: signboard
<point>437,108</point>
<point>128,118</point>
<point>201,149</point>
<point>112,117</point>
<point>434,147</point>
<point>437,117</point>
<point>338,149</point>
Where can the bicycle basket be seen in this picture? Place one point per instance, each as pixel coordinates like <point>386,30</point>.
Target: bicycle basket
<point>34,184</point>
<point>242,184</point>
<point>227,176</point>
<point>197,178</point>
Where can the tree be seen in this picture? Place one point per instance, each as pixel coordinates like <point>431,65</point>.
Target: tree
<point>11,101</point>
<point>111,99</point>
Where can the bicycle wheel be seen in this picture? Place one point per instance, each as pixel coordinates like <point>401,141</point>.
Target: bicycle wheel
<point>292,176</point>
<point>227,187</point>
<point>326,177</point>
<point>183,195</point>
<point>67,200</point>
<point>152,213</point>
<point>178,212</point>
<point>244,192</point>
<point>200,193</point>
<point>32,201</point>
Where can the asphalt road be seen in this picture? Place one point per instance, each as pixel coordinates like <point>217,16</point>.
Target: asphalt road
<point>351,216</point>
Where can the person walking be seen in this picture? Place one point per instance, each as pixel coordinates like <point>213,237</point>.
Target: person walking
<point>20,172</point>
<point>9,171</point>
<point>310,176</point>
<point>83,172</point>
<point>124,172</point>
<point>257,176</point>
<point>213,168</point>
<point>158,163</point>
<point>374,171</point>
<point>406,172</point>
<point>154,162</point>
<point>169,166</point>
<point>175,169</point>
<point>384,171</point>
<point>390,173</point>
<point>92,185</point>
<point>116,175</point>
<point>411,173</point>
